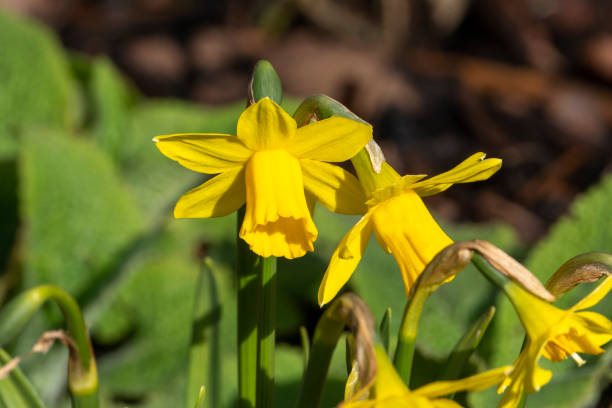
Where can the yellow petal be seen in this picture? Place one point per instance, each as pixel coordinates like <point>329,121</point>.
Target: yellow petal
<point>277,221</point>
<point>219,196</point>
<point>265,125</point>
<point>473,383</point>
<point>337,189</point>
<point>474,168</point>
<point>403,225</point>
<point>526,376</point>
<point>345,259</point>
<point>334,139</point>
<point>204,152</point>
<point>388,383</point>
<point>582,332</point>
<point>595,296</point>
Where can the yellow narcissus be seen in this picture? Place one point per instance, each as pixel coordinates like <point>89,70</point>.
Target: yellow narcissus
<point>389,391</point>
<point>554,334</point>
<point>272,165</point>
<point>401,223</point>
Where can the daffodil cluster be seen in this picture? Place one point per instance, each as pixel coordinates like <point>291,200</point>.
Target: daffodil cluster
<point>278,171</point>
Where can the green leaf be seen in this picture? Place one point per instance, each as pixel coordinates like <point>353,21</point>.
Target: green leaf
<point>146,324</point>
<point>15,390</point>
<point>36,87</point>
<point>79,214</point>
<point>111,101</point>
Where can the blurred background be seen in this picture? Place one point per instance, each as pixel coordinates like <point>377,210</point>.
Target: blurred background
<point>86,198</point>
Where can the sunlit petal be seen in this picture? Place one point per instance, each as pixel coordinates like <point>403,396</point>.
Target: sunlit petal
<point>337,189</point>
<point>595,296</point>
<point>474,168</point>
<point>219,196</point>
<point>345,259</point>
<point>204,152</point>
<point>473,383</point>
<point>334,139</point>
<point>265,125</point>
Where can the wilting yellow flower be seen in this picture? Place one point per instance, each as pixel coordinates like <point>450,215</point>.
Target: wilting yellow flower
<point>553,333</point>
<point>271,165</point>
<point>401,223</point>
<point>389,391</point>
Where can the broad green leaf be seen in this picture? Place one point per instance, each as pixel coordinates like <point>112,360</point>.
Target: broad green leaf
<point>79,216</point>
<point>35,85</point>
<point>146,324</point>
<point>111,99</point>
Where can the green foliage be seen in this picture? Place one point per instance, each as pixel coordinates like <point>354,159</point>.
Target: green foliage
<point>35,85</point>
<point>111,101</point>
<point>15,390</point>
<point>79,214</point>
<point>95,198</point>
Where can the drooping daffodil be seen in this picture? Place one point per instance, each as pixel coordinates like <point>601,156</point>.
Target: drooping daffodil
<point>272,165</point>
<point>389,391</point>
<point>554,334</point>
<point>400,221</point>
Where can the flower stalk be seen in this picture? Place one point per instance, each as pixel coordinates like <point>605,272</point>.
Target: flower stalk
<point>404,354</point>
<point>348,310</point>
<point>82,371</point>
<point>257,288</point>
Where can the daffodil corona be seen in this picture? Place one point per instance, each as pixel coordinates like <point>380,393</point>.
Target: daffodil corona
<point>400,221</point>
<point>273,166</point>
<point>554,334</point>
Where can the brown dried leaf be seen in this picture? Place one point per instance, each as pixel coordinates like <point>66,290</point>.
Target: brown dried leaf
<point>42,345</point>
<point>583,268</point>
<point>452,259</point>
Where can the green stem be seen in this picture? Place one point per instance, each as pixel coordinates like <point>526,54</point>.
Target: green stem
<point>16,390</point>
<point>248,265</point>
<point>20,310</point>
<point>266,332</point>
<point>409,327</point>
<point>82,371</point>
<point>492,274</point>
<point>326,335</point>
<point>257,287</point>
<point>466,346</point>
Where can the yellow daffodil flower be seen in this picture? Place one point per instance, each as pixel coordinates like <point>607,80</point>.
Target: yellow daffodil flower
<point>271,164</point>
<point>401,223</point>
<point>554,334</point>
<point>389,391</point>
